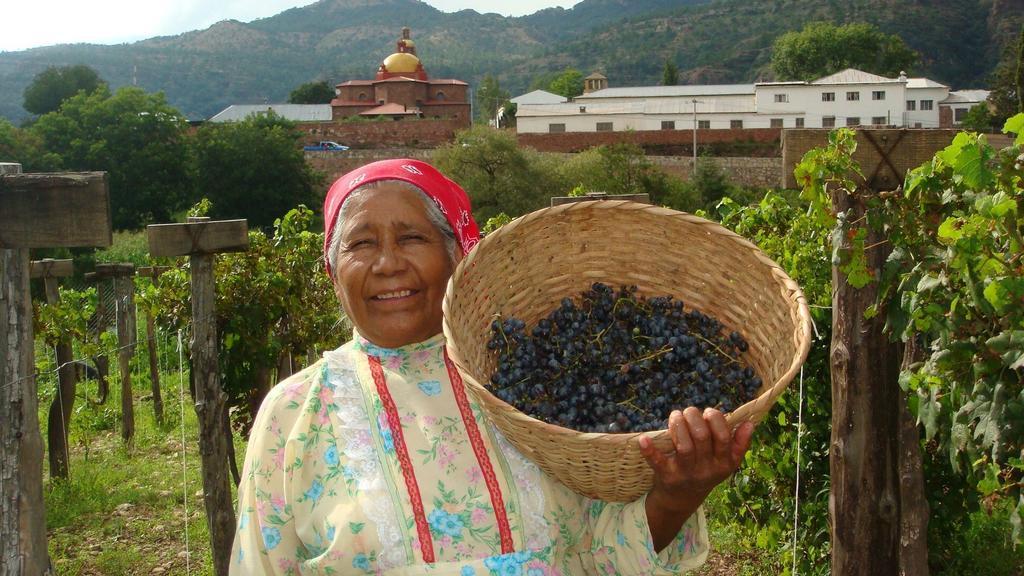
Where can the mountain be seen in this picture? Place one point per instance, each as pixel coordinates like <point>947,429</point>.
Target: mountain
<point>711,41</point>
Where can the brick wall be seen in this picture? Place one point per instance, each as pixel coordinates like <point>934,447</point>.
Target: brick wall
<point>672,142</point>
<point>424,133</point>
<point>752,172</point>
<point>914,147</point>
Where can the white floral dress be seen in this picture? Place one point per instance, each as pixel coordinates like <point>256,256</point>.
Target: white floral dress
<point>370,461</point>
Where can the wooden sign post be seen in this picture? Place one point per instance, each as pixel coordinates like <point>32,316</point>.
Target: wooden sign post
<point>200,239</point>
<point>124,314</point>
<point>63,403</point>
<point>153,273</point>
<point>36,211</point>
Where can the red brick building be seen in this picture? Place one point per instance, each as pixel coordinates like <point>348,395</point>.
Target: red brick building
<point>403,90</point>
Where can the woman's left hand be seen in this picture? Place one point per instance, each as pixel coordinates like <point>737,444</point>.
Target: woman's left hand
<point>706,453</point>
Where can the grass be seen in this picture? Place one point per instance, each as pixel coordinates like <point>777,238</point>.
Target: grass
<point>123,509</point>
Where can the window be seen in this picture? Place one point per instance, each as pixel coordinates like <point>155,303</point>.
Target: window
<point>556,128</point>
<point>917,124</point>
<point>736,124</point>
<point>668,125</point>
<point>828,96</point>
<point>776,122</point>
<point>362,96</point>
<point>604,126</point>
<point>926,104</point>
<point>959,114</point>
<point>704,124</point>
<point>782,98</point>
<point>828,122</point>
<point>440,96</point>
<point>853,121</point>
<point>878,120</point>
<point>800,122</point>
<point>878,95</point>
<point>911,105</point>
<point>852,96</point>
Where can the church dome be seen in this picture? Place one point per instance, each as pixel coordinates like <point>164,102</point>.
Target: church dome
<point>401,62</point>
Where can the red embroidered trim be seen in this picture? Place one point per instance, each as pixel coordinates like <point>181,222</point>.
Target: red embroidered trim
<point>497,502</point>
<point>391,412</point>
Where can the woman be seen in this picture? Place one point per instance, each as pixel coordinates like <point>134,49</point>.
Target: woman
<point>374,460</point>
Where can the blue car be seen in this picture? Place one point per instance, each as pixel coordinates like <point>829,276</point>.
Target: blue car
<point>325,146</point>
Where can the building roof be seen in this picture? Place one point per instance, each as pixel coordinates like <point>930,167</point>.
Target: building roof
<point>389,109</point>
<point>853,76</point>
<point>924,83</point>
<point>670,91</point>
<point>355,83</point>
<point>295,112</point>
<point>596,76</point>
<point>656,107</point>
<point>966,97</point>
<point>538,97</point>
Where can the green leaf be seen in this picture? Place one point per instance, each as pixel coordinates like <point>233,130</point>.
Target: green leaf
<point>990,482</point>
<point>1015,125</point>
<point>782,419</point>
<point>950,230</point>
<point>928,411</point>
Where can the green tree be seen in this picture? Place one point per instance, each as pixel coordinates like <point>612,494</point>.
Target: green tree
<point>1008,83</point>
<point>51,87</point>
<point>253,169</point>
<point>822,48</point>
<point>670,75</point>
<point>312,93</point>
<point>137,138</point>
<point>623,168</point>
<point>497,175</point>
<point>489,97</point>
<point>979,119</point>
<point>569,83</point>
<point>24,147</point>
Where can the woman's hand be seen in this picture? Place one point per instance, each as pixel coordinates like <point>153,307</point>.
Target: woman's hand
<point>706,453</point>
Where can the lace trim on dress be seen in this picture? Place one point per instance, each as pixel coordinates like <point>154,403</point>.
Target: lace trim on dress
<point>527,477</point>
<point>354,440</point>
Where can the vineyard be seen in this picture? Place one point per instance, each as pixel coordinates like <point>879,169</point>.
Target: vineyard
<point>936,264</point>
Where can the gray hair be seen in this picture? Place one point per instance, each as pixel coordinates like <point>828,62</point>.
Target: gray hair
<point>433,214</point>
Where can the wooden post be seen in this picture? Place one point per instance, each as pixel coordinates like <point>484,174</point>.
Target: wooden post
<point>153,272</point>
<point>201,238</point>
<point>124,313</point>
<point>63,403</point>
<point>38,210</point>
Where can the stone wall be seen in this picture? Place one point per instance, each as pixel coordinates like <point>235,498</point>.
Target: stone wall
<point>749,141</point>
<point>424,133</point>
<point>336,164</point>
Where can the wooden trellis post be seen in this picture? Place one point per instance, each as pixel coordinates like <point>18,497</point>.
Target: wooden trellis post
<point>124,314</point>
<point>36,211</point>
<point>64,401</point>
<point>153,272</point>
<point>200,239</point>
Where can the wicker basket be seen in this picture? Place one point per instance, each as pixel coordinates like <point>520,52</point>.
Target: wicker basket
<point>526,267</point>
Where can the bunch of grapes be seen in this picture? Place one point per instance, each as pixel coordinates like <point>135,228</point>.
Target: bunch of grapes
<point>618,362</point>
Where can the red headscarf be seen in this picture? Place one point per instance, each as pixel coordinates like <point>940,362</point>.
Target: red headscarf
<point>450,198</point>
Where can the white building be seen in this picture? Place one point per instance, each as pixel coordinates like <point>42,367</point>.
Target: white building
<point>847,98</point>
<point>294,112</point>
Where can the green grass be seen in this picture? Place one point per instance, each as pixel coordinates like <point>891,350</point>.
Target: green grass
<point>123,509</point>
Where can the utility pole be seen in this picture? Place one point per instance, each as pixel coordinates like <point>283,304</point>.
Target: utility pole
<point>695,101</point>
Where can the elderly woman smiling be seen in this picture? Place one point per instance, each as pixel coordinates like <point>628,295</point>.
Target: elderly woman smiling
<point>374,460</point>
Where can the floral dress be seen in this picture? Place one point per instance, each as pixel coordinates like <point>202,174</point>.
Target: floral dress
<point>375,461</point>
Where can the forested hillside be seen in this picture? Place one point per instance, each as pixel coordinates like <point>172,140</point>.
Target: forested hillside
<point>711,41</point>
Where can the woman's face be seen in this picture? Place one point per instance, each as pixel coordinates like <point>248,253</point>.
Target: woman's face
<point>392,267</point>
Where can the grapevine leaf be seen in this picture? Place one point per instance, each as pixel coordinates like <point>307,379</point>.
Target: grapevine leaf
<point>1015,125</point>
<point>928,411</point>
<point>990,482</point>
<point>950,230</point>
<point>930,282</point>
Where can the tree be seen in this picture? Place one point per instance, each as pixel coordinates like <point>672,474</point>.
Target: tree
<point>1008,83</point>
<point>497,175</point>
<point>490,97</point>
<point>312,93</point>
<point>137,138</point>
<point>51,87</point>
<point>569,83</point>
<point>823,48</point>
<point>978,118</point>
<point>25,148</point>
<point>670,75</point>
<point>253,169</point>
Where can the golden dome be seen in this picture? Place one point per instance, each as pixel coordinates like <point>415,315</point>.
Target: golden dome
<point>401,62</point>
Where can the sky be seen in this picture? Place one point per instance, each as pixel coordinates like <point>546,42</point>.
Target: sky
<point>31,23</point>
